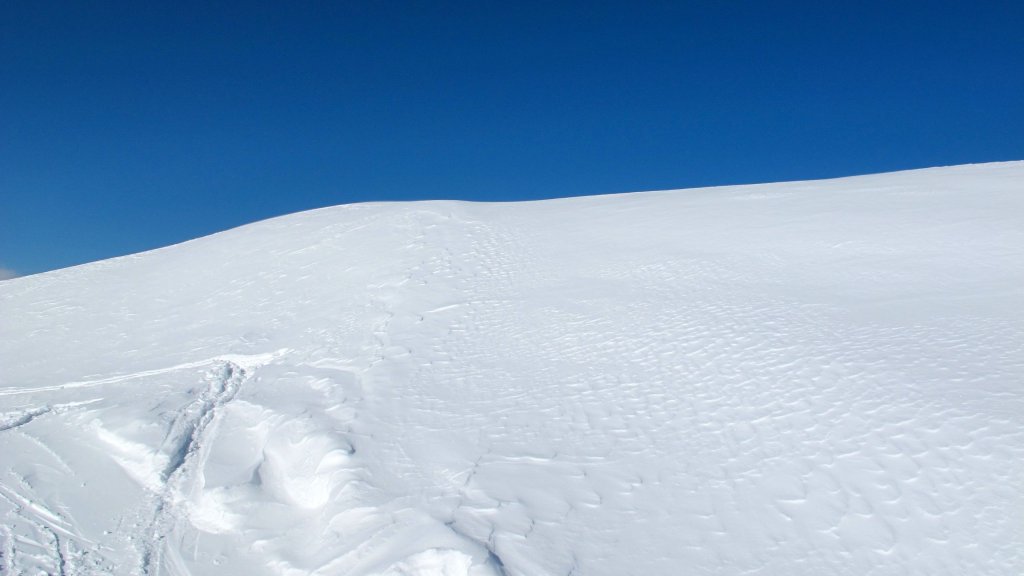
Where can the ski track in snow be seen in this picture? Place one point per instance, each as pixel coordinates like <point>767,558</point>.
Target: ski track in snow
<point>802,378</point>
<point>192,430</point>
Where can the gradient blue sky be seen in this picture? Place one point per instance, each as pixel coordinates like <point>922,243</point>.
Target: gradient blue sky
<point>128,126</point>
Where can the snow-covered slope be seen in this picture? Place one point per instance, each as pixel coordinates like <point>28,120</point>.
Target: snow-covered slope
<point>800,378</point>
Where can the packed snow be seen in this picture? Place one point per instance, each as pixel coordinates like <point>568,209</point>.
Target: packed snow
<point>791,379</point>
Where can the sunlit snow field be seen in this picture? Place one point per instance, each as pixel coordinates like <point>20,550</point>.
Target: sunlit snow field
<point>810,378</point>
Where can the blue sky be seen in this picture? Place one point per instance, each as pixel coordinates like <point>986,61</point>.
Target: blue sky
<point>125,127</point>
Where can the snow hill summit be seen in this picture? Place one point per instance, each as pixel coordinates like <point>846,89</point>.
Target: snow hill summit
<point>801,378</point>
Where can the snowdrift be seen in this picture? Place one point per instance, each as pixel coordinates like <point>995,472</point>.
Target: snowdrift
<point>800,378</point>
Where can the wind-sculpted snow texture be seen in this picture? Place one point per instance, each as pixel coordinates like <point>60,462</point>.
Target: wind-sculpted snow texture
<point>792,379</point>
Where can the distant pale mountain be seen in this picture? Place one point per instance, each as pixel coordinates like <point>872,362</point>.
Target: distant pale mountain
<point>808,378</point>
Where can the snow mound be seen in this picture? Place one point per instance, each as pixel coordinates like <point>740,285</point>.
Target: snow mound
<point>799,378</point>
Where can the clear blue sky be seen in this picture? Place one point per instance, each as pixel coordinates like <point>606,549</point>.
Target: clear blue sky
<point>129,126</point>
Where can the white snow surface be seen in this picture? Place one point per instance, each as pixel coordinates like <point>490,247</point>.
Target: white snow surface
<point>792,379</point>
